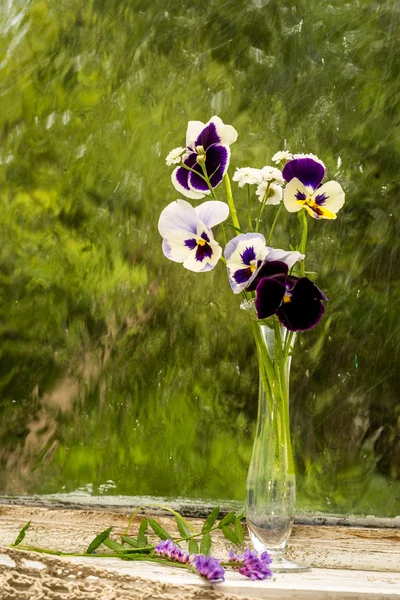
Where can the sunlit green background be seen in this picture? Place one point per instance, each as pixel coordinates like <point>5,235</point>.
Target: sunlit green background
<point>117,364</point>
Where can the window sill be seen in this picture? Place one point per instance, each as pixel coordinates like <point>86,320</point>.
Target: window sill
<point>346,563</point>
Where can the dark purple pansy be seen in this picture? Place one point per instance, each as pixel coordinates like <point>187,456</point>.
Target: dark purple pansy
<point>309,171</point>
<point>297,302</point>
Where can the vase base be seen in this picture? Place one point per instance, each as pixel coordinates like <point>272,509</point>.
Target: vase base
<point>280,564</point>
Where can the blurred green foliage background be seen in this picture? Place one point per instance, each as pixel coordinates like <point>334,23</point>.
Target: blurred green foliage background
<point>117,364</point>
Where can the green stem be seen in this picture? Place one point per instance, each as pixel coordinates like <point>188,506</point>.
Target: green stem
<point>231,204</point>
<point>274,223</point>
<point>261,209</point>
<point>303,243</point>
<point>249,209</point>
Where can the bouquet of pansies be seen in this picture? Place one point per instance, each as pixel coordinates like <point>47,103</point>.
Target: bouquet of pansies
<point>277,295</point>
<point>254,268</point>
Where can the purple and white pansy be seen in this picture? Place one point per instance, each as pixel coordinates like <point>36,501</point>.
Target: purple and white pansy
<point>304,190</point>
<point>207,145</point>
<point>246,254</point>
<point>187,235</point>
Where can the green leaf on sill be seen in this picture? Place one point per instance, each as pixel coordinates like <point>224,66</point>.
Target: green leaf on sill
<point>99,539</point>
<point>239,531</point>
<point>229,534</point>
<point>22,533</point>
<point>129,540</point>
<point>212,517</point>
<point>227,520</point>
<point>205,544</point>
<point>193,547</point>
<point>159,530</point>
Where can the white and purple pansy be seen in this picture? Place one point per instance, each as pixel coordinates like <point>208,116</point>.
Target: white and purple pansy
<point>245,256</point>
<point>187,235</point>
<point>207,145</point>
<point>304,189</point>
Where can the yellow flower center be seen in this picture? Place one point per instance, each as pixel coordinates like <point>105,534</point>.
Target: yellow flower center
<point>201,242</point>
<point>287,298</point>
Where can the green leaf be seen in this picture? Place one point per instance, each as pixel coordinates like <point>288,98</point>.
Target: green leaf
<point>113,545</point>
<point>235,228</point>
<point>227,520</point>
<point>22,533</point>
<point>205,544</point>
<point>193,547</point>
<point>239,531</point>
<point>183,530</point>
<point>159,530</point>
<point>229,534</point>
<point>142,538</point>
<point>212,517</point>
<point>99,539</point>
<point>130,540</point>
<point>241,513</point>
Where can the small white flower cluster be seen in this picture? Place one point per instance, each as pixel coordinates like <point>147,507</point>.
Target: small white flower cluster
<point>174,157</point>
<point>281,156</point>
<point>268,180</point>
<point>247,175</point>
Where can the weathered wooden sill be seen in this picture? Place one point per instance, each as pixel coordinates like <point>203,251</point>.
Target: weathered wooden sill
<point>346,562</point>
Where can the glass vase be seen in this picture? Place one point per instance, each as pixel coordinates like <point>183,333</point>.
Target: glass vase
<point>271,479</point>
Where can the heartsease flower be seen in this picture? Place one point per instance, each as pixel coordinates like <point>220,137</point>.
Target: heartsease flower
<point>296,301</point>
<point>207,145</point>
<point>168,549</point>
<point>187,235</point>
<point>304,189</point>
<point>251,565</point>
<point>209,567</point>
<point>246,253</point>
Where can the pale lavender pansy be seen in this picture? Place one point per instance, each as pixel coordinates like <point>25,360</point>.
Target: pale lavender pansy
<point>304,189</point>
<point>187,235</point>
<point>206,143</point>
<point>246,253</point>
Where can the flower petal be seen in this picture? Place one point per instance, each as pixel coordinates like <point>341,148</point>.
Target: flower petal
<point>290,257</point>
<point>305,309</point>
<point>294,191</point>
<point>268,269</point>
<point>208,136</point>
<point>179,215</point>
<point>200,262</point>
<point>212,212</point>
<point>193,131</point>
<point>330,196</point>
<point>270,292</point>
<point>227,133</point>
<point>238,244</point>
<point>308,171</point>
<point>179,178</point>
<point>217,162</point>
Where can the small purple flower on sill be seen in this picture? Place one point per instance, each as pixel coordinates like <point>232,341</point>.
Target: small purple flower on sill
<point>208,145</point>
<point>297,302</point>
<point>170,550</point>
<point>187,235</point>
<point>251,565</point>
<point>304,190</point>
<point>209,567</point>
<point>246,253</point>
